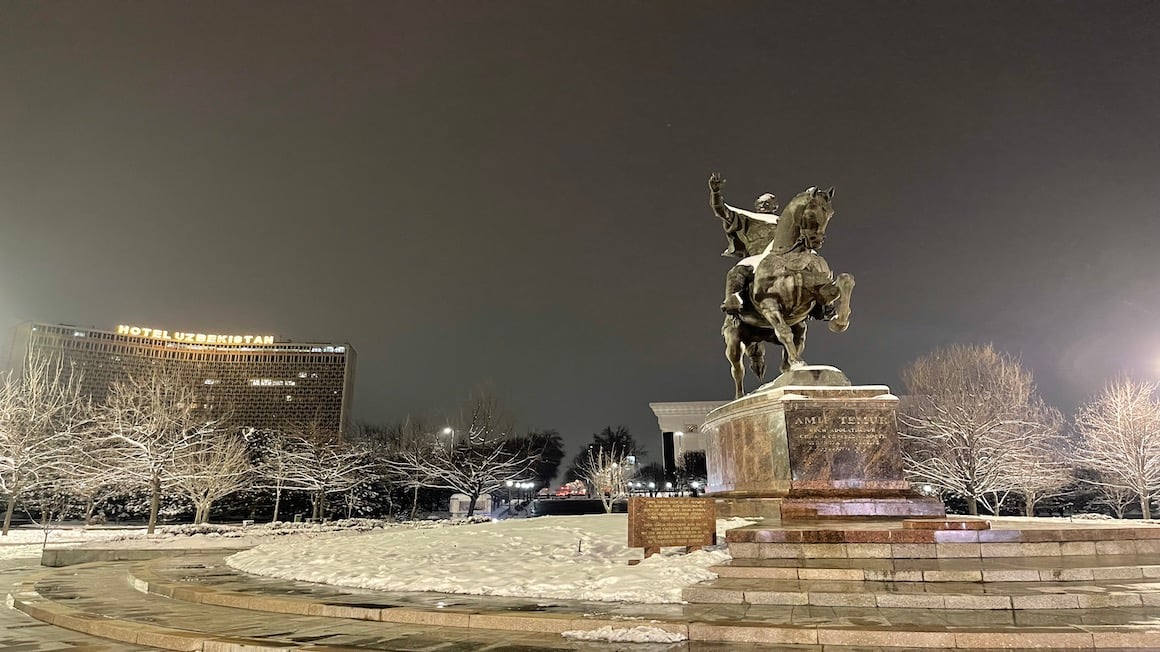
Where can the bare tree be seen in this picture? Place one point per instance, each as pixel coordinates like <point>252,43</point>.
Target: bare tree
<point>280,464</point>
<point>324,463</point>
<point>972,423</point>
<point>95,477</point>
<point>1120,432</point>
<point>1040,467</point>
<point>606,472</point>
<point>403,444</point>
<point>41,414</point>
<point>475,457</point>
<point>148,422</point>
<point>213,466</point>
<point>1114,497</point>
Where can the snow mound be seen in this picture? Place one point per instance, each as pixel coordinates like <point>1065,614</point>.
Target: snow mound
<point>556,557</point>
<point>639,634</point>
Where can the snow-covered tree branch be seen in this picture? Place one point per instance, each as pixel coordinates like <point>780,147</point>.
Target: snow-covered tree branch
<point>973,426</point>
<point>213,466</point>
<point>148,422</point>
<point>42,413</point>
<point>474,457</point>
<point>1120,433</point>
<point>606,472</point>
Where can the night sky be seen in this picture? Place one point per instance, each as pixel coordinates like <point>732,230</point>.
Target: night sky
<point>514,193</point>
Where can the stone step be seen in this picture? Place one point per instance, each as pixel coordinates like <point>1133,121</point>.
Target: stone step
<point>787,550</point>
<point>963,569</point>
<point>928,595</point>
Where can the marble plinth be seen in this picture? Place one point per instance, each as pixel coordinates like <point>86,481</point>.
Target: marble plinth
<point>823,450</point>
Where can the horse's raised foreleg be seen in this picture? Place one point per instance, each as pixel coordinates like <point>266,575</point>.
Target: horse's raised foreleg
<point>731,331</point>
<point>841,320</point>
<point>770,309</point>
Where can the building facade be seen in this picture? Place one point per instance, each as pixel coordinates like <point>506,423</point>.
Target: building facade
<point>680,424</point>
<point>254,380</point>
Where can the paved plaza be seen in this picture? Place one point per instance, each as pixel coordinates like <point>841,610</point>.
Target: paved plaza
<point>196,602</point>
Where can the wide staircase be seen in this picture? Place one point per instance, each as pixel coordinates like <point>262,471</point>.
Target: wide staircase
<point>964,583</point>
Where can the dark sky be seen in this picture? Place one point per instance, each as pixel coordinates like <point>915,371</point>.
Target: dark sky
<point>514,192</point>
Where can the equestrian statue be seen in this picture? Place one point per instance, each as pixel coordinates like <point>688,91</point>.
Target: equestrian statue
<point>780,281</point>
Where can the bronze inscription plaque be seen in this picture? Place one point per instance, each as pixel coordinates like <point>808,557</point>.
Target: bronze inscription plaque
<point>664,522</point>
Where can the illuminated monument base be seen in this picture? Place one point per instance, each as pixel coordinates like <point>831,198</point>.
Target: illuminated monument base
<point>794,450</point>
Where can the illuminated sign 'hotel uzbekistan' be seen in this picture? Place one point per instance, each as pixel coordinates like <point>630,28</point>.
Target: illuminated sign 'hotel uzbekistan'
<point>258,380</point>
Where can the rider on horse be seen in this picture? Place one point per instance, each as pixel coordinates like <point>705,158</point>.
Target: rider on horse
<point>750,236</point>
<point>748,233</point>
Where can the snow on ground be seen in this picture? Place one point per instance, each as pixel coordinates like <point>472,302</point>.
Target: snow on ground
<point>561,557</point>
<point>26,542</point>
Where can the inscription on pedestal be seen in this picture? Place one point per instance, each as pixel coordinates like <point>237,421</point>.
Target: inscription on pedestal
<point>842,447</point>
<point>654,523</point>
<point>830,430</point>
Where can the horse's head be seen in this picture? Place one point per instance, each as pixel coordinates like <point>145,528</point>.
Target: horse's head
<point>804,220</point>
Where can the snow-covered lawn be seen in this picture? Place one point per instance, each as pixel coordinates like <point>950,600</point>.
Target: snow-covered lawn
<point>26,542</point>
<point>562,557</point>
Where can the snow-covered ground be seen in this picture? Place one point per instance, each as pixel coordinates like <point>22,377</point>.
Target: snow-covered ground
<point>562,557</point>
<point>26,542</point>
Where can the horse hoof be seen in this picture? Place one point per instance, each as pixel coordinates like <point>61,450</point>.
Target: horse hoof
<point>839,326</point>
<point>797,365</point>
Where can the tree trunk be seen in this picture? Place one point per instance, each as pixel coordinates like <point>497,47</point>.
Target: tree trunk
<point>89,511</point>
<point>1145,507</point>
<point>471,507</point>
<point>322,505</point>
<point>277,502</point>
<point>350,503</point>
<point>972,506</point>
<point>8,513</point>
<point>414,502</point>
<point>154,502</point>
<point>1028,508</point>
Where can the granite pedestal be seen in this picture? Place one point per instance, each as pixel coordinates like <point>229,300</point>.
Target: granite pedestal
<point>797,448</point>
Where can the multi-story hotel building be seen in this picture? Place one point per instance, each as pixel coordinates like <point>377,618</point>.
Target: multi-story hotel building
<point>258,380</point>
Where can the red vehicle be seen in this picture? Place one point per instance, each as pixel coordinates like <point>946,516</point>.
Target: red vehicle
<point>574,488</point>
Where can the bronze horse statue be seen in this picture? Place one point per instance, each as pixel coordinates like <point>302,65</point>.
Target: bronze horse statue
<point>790,284</point>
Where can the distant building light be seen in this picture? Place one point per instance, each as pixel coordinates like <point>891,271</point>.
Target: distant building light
<point>301,374</point>
<point>78,333</point>
<point>271,382</point>
<point>210,381</point>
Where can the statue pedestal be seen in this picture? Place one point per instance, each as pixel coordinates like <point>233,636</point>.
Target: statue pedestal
<point>810,451</point>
